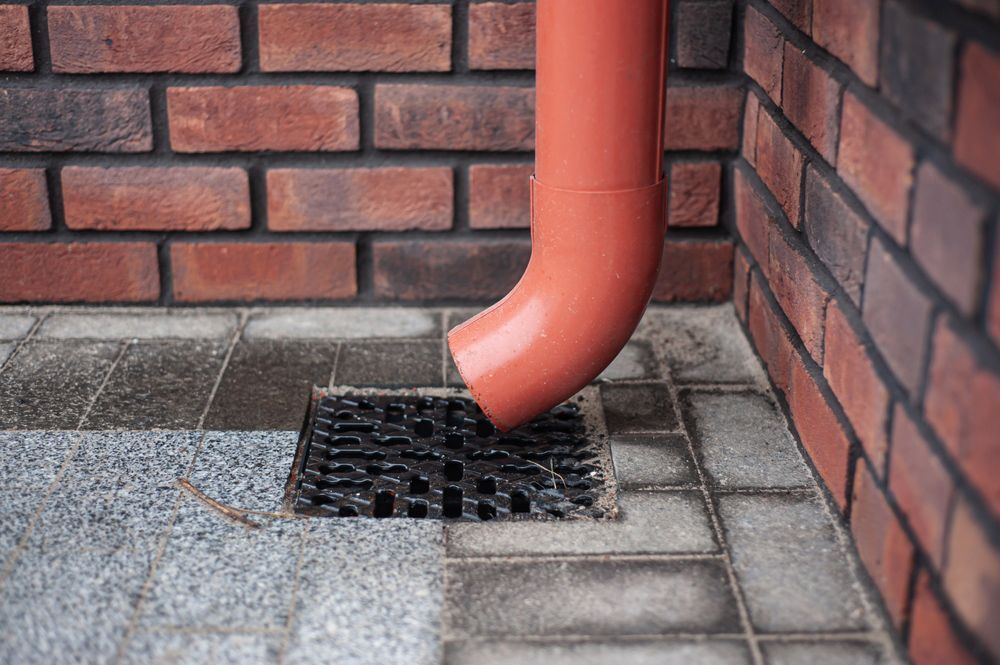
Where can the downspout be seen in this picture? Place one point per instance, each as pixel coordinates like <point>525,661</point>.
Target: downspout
<point>597,211</point>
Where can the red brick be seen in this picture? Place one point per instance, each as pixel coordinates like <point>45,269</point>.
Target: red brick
<point>499,196</point>
<point>454,117</point>
<point>702,33</point>
<point>770,338</point>
<point>501,35</point>
<point>810,101</point>
<point>78,272</point>
<point>156,198</point>
<point>763,48</point>
<point>750,114</point>
<point>932,638</point>
<point>779,164</point>
<point>694,194</point>
<point>877,164</point>
<point>819,430</point>
<point>993,307</point>
<point>852,378</point>
<point>882,543</point>
<point>460,270</point>
<point>695,270</point>
<point>354,37</point>
<point>849,30</point>
<point>15,39</point>
<point>75,120</point>
<point>204,272</point>
<point>752,220</point>
<point>801,297</point>
<point>897,314</point>
<point>947,236</point>
<point>250,118</point>
<point>798,12</point>
<point>24,200</point>
<point>837,234</point>
<point>972,577</point>
<point>977,134</point>
<point>703,118</point>
<point>961,405</point>
<point>384,199</point>
<point>741,277</point>
<point>920,484</point>
<point>177,38</point>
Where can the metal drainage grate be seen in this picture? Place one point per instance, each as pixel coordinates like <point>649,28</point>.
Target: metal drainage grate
<point>435,457</point>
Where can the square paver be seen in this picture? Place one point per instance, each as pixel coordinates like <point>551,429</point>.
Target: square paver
<point>390,364</point>
<point>6,349</point>
<point>142,324</point>
<point>193,648</point>
<point>826,652</point>
<point>638,407</point>
<point>652,460</point>
<point>343,323</point>
<point>635,361</point>
<point>632,652</point>
<point>246,470</point>
<point>15,326</point>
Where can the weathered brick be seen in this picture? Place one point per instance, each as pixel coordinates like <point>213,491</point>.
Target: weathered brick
<point>74,119</point>
<point>156,198</point>
<point>354,37</point>
<point>15,39</point>
<point>884,548</point>
<point>989,8</point>
<point>877,164</point>
<point>383,199</point>
<point>750,115</point>
<point>836,233</point>
<point>703,117</point>
<point>897,314</point>
<point>920,484</point>
<point>250,118</point>
<point>947,236</point>
<point>24,200</point>
<point>917,65</point>
<point>741,283</point>
<point>205,272</point>
<point>695,270</point>
<point>500,196</point>
<point>752,219</point>
<point>977,133</point>
<point>799,12</point>
<point>769,337</point>
<point>795,288</point>
<point>79,272</point>
<point>460,270</point>
<point>763,51</point>
<point>853,379</point>
<point>694,194</point>
<point>932,638</point>
<point>452,117</point>
<point>501,35</point>
<point>779,164</point>
<point>849,30</point>
<point>91,39</point>
<point>961,405</point>
<point>702,33</point>
<point>810,101</point>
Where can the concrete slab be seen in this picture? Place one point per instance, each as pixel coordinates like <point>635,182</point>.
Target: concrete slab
<point>635,361</point>
<point>826,652</point>
<point>192,648</point>
<point>390,364</point>
<point>638,407</point>
<point>649,460</point>
<point>644,652</point>
<point>6,348</point>
<point>245,469</point>
<point>142,324</point>
<point>15,326</point>
<point>342,323</point>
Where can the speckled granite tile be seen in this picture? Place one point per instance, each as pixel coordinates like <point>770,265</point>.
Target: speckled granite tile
<point>245,469</point>
<point>31,459</point>
<point>187,648</point>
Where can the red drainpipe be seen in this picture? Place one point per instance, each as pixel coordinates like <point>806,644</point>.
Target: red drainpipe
<point>597,211</point>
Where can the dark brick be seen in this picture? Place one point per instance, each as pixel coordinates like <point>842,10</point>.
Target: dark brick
<point>795,288</point>
<point>779,164</point>
<point>694,194</point>
<point>769,337</point>
<point>502,35</point>
<point>24,200</point>
<point>752,219</point>
<point>15,39</point>
<point>500,196</point>
<point>810,101</point>
<point>799,12</point>
<point>645,407</point>
<point>703,117</point>
<point>763,51</point>
<point>702,33</point>
<point>933,640</point>
<point>836,233</point>
<point>977,133</point>
<point>849,30</point>
<point>695,270</point>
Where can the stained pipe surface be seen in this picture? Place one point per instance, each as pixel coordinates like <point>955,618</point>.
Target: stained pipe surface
<point>597,211</point>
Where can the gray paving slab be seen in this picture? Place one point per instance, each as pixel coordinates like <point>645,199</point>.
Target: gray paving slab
<point>452,376</point>
<point>343,323</point>
<point>638,407</point>
<point>19,504</point>
<point>390,364</point>
<point>635,361</point>
<point>587,597</point>
<point>651,523</point>
<point>245,469</point>
<point>826,652</point>
<point>648,460</point>
<point>793,571</point>
<point>267,384</point>
<point>644,652</point>
<point>6,348</point>
<point>15,326</point>
<point>369,592</point>
<point>460,315</point>
<point>50,384</point>
<point>30,460</point>
<point>192,648</point>
<point>140,324</point>
<point>743,441</point>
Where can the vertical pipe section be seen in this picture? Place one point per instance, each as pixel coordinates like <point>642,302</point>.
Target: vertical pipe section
<point>597,211</point>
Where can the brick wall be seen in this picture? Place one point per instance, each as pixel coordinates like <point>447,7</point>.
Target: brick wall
<point>868,276</point>
<point>191,153</point>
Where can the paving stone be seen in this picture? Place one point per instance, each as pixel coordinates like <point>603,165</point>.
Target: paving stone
<point>743,441</point>
<point>343,323</point>
<point>159,384</point>
<point>6,348</point>
<point>587,597</point>
<point>15,326</point>
<point>245,469</point>
<point>142,324</point>
<point>390,365</point>
<point>19,505</point>
<point>648,460</point>
<point>267,384</point>
<point>374,593</point>
<point>635,361</point>
<point>638,407</point>
<point>651,523</point>
<point>644,652</point>
<point>49,385</point>
<point>791,568</point>
<point>187,648</point>
<point>827,653</point>
<point>31,459</point>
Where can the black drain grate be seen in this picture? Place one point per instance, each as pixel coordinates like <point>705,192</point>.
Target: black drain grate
<point>434,457</point>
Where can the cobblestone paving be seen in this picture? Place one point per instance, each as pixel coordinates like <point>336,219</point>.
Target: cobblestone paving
<point>726,550</point>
